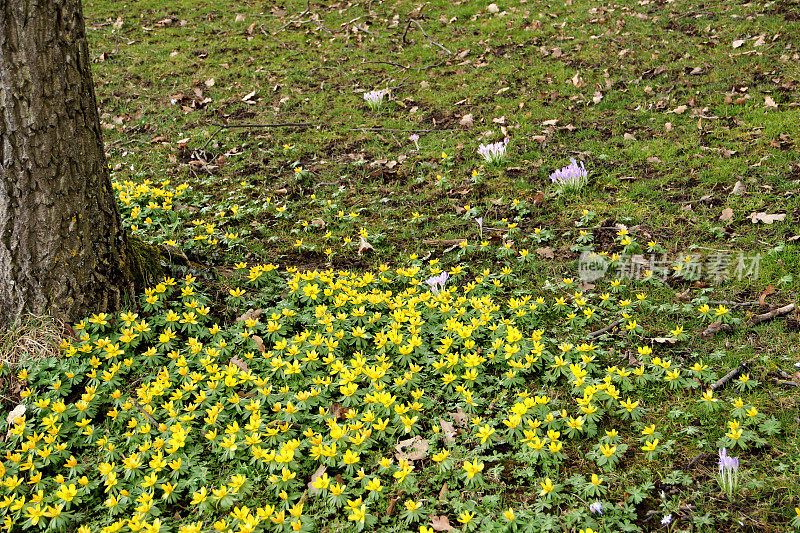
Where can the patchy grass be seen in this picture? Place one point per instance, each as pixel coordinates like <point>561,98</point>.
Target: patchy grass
<point>679,111</point>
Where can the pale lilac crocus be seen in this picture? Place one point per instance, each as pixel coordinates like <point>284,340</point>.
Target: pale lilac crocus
<point>493,153</point>
<point>374,99</point>
<point>596,508</point>
<point>572,176</point>
<point>728,471</point>
<point>415,139</point>
<point>437,282</point>
<point>479,220</point>
<point>667,520</point>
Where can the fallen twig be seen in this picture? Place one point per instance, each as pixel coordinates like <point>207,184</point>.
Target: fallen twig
<point>443,242</point>
<point>733,304</point>
<point>606,329</point>
<point>780,311</point>
<point>715,327</point>
<point>145,413</point>
<point>786,383</point>
<point>412,21</point>
<point>732,374</point>
<point>405,130</point>
<point>221,127</point>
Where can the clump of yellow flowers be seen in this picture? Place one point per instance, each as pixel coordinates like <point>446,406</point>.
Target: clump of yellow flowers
<point>351,388</point>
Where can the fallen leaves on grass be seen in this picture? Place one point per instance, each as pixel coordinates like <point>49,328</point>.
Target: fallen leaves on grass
<point>767,219</point>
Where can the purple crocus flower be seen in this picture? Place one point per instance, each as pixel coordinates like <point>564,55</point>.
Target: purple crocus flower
<point>374,99</point>
<point>596,508</point>
<point>572,176</point>
<point>437,282</point>
<point>415,139</point>
<point>493,153</point>
<point>479,220</point>
<point>728,471</point>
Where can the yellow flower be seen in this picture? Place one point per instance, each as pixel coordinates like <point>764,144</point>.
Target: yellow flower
<point>374,485</point>
<point>473,468</point>
<point>547,487</point>
<point>465,517</point>
<point>650,445</point>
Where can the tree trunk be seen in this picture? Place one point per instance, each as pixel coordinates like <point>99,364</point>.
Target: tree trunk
<point>63,249</point>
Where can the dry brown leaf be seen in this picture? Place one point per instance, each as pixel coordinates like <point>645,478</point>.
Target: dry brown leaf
<point>318,223</point>
<point>551,122</point>
<point>443,493</point>
<point>449,431</point>
<point>210,82</point>
<point>767,219</point>
<point>440,523</point>
<point>727,214</point>
<point>118,23</point>
<point>363,246</point>
<point>459,417</point>
<point>684,296</point>
<point>762,300</point>
<point>629,137</point>
<point>664,340</point>
<point>739,188</point>
<point>15,413</point>
<point>769,103</point>
<point>238,363</point>
<point>467,120</point>
<point>737,43</point>
<point>259,343</point>
<point>413,449</point>
<point>250,314</point>
<point>545,252</point>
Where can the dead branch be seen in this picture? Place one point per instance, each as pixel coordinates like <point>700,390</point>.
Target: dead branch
<point>780,311</point>
<point>412,21</point>
<point>733,304</point>
<point>732,374</point>
<point>715,327</point>
<point>599,332</point>
<point>443,242</point>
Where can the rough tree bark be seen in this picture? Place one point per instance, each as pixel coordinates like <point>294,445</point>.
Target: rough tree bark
<point>63,249</point>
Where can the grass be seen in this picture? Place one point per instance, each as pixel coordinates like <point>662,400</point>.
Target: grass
<point>663,104</point>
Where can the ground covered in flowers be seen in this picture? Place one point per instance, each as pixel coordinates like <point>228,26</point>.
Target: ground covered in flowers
<point>363,400</point>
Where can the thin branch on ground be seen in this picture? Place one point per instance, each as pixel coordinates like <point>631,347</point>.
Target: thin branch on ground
<point>732,374</point>
<point>780,311</point>
<point>595,334</point>
<point>412,21</point>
